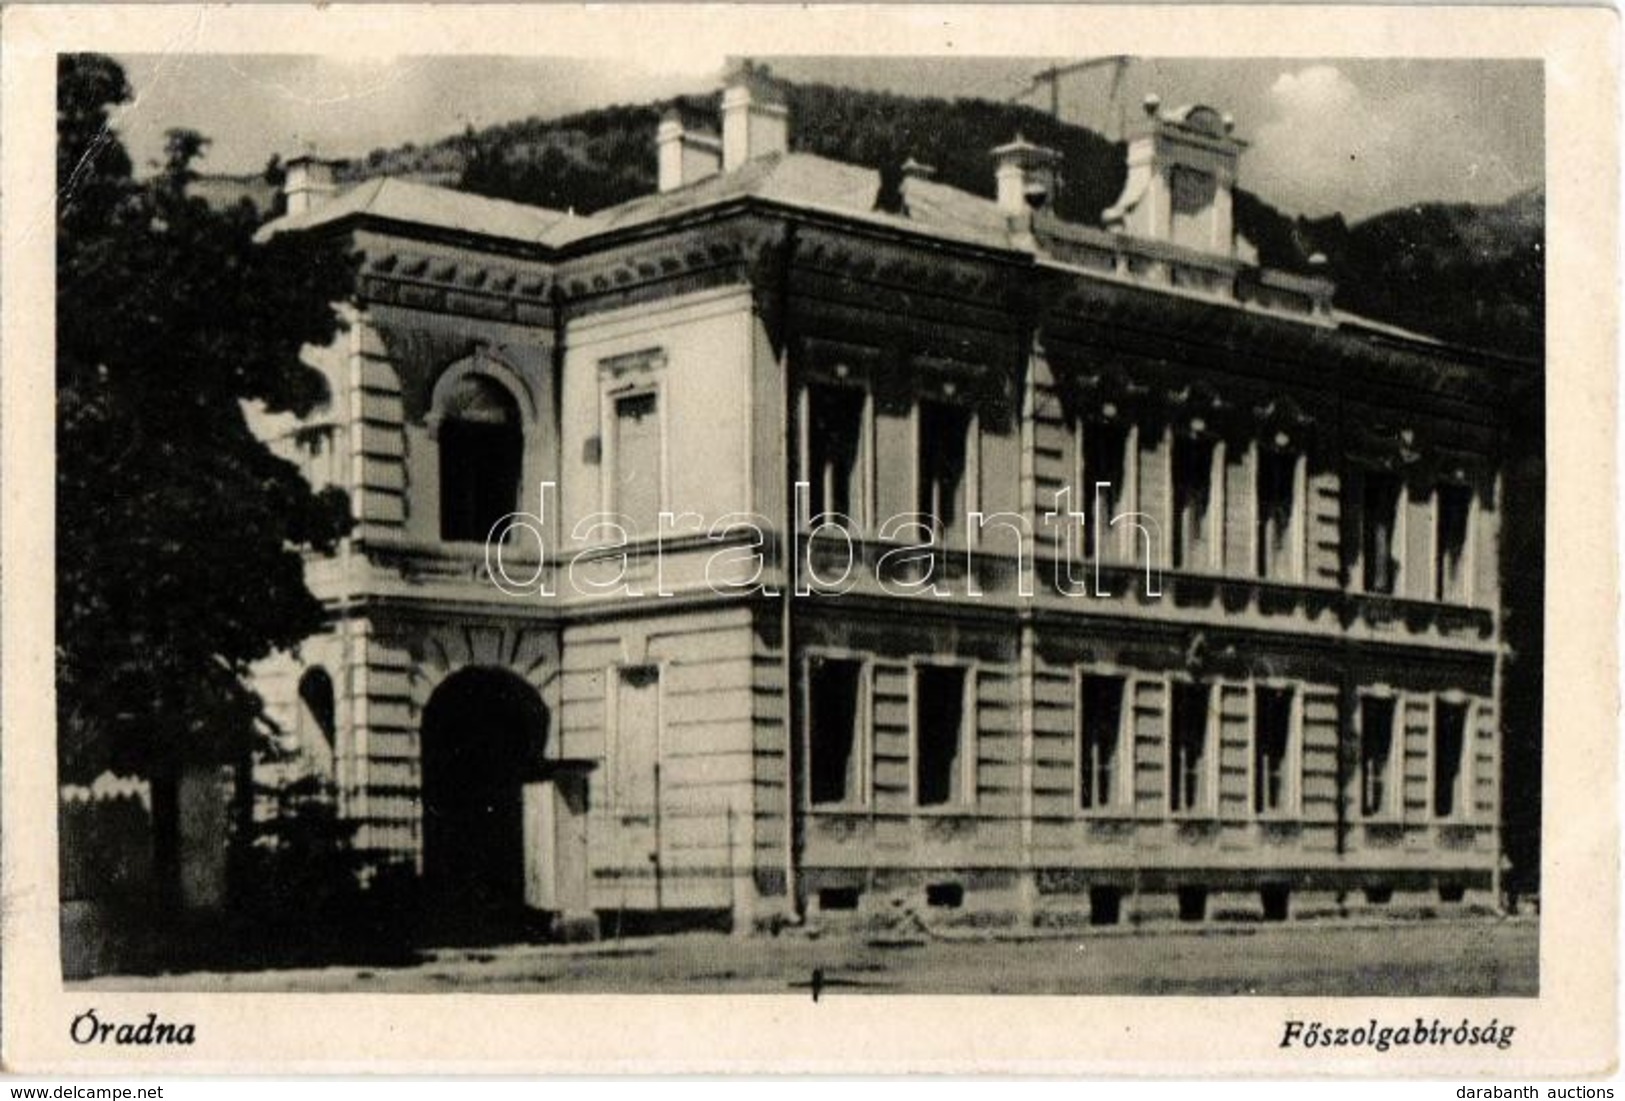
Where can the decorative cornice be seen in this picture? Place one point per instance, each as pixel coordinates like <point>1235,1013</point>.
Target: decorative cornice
<point>483,286</point>
<point>1144,322</point>
<point>901,264</point>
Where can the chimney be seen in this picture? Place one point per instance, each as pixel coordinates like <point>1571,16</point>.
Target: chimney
<point>1181,179</point>
<point>307,183</point>
<point>755,121</point>
<point>1027,176</point>
<point>685,156</point>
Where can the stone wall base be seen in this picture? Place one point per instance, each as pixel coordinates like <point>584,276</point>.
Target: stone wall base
<point>1071,898</point>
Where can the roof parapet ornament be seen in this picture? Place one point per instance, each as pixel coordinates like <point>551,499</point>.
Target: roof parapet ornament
<point>1182,167</point>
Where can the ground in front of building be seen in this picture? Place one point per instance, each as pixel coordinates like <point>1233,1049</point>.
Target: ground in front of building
<point>1484,957</point>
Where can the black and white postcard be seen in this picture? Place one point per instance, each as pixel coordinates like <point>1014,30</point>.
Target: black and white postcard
<point>766,536</point>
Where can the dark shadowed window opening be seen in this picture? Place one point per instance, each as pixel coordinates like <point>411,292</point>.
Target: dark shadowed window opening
<point>944,437</point>
<point>481,446</point>
<point>939,735</point>
<point>1272,749</point>
<point>835,451</point>
<point>835,731</point>
<point>1277,901</point>
<point>1449,740</point>
<point>1105,459</point>
<point>1277,501</point>
<point>1193,501</point>
<point>1379,512</point>
<point>838,898</point>
<point>1376,754</point>
<point>1105,905</point>
<point>1101,730</point>
<point>317,705</point>
<point>1450,542</point>
<point>1188,781</point>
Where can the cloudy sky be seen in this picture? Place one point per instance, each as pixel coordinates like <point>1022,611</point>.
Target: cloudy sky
<point>1351,135</point>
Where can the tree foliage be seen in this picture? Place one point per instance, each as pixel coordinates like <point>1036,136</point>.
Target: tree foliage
<point>1473,274</point>
<point>179,534</point>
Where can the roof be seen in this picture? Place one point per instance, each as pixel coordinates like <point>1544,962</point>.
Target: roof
<point>1346,319</point>
<point>439,207</point>
<point>809,182</point>
<point>802,181</point>
<point>799,180</point>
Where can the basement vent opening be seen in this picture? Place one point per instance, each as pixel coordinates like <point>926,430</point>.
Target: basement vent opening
<point>1192,903</point>
<point>1379,896</point>
<point>1452,892</point>
<point>1277,901</point>
<point>838,898</point>
<point>948,896</point>
<point>1105,905</point>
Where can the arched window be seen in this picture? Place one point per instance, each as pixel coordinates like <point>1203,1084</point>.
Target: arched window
<point>316,711</point>
<point>481,445</point>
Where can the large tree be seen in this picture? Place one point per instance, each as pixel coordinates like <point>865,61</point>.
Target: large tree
<point>180,536</point>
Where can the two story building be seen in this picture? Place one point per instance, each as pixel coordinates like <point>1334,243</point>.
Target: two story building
<point>803,540</point>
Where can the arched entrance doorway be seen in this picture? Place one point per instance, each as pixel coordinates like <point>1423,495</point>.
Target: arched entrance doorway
<point>484,732</point>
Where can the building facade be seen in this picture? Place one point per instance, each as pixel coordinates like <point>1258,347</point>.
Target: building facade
<point>795,543</point>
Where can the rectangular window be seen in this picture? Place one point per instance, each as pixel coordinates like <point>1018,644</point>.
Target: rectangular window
<point>835,451</point>
<point>835,743</point>
<point>1449,744</point>
<point>1273,782</point>
<point>1379,529</point>
<point>1188,788</point>
<point>1453,506</point>
<point>1193,503</point>
<point>637,475</point>
<point>1105,459</point>
<point>943,468</point>
<point>1376,756</point>
<point>939,735</point>
<point>1100,734</point>
<point>1277,509</point>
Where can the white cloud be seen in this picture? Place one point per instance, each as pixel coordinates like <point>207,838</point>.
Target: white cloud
<point>1323,139</point>
<point>1329,143</point>
<point>1317,88</point>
